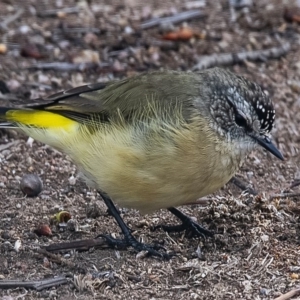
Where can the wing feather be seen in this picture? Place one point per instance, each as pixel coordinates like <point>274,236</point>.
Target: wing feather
<point>142,97</point>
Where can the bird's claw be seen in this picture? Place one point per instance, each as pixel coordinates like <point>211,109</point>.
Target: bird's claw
<point>190,226</point>
<point>152,250</point>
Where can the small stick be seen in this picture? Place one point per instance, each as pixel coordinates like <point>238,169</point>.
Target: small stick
<point>53,257</point>
<point>33,284</point>
<point>55,12</point>
<point>65,67</point>
<point>11,19</point>
<point>208,61</point>
<point>56,258</point>
<point>289,295</point>
<point>295,183</point>
<point>243,186</point>
<point>78,245</point>
<point>166,45</point>
<point>8,145</point>
<point>178,18</point>
<point>284,195</point>
<point>81,30</point>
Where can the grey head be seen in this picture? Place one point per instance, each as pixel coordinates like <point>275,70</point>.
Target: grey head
<point>240,110</point>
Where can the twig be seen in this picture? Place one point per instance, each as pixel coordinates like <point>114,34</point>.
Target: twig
<point>79,30</point>
<point>166,45</point>
<point>243,186</point>
<point>12,18</point>
<point>53,257</point>
<point>56,258</point>
<point>295,183</point>
<point>180,17</point>
<point>289,295</point>
<point>208,61</point>
<point>284,195</point>
<point>55,12</point>
<point>8,145</point>
<point>78,245</point>
<point>33,284</point>
<point>65,67</point>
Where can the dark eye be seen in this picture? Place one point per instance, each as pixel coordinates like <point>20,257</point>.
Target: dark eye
<point>240,120</point>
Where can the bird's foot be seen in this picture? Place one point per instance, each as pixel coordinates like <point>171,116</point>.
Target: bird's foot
<point>190,226</point>
<point>130,241</point>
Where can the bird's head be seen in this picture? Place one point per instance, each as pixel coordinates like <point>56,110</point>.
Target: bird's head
<point>241,111</point>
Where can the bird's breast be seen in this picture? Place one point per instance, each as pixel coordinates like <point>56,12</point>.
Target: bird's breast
<point>154,169</point>
<point>148,167</point>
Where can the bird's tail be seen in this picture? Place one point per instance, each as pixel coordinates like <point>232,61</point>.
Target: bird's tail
<point>47,127</point>
<point>23,117</point>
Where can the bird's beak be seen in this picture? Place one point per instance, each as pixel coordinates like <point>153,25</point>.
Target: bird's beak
<point>266,143</point>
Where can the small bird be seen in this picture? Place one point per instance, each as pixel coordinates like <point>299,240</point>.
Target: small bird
<point>153,141</point>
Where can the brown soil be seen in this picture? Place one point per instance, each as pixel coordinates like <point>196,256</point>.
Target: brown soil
<point>255,254</point>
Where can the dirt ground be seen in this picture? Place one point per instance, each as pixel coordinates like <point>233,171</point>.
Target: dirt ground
<point>256,251</point>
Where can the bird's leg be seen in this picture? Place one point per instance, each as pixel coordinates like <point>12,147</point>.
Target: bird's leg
<point>129,239</point>
<point>187,224</point>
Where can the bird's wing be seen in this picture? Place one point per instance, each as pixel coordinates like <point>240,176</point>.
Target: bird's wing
<point>144,97</point>
<point>130,98</point>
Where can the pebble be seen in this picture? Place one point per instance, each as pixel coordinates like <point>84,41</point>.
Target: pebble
<point>31,185</point>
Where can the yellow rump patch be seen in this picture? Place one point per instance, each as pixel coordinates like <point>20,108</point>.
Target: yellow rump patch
<point>39,118</point>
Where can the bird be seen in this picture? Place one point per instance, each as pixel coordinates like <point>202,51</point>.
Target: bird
<point>153,141</point>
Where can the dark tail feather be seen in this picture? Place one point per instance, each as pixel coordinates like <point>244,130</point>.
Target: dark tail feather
<point>3,111</point>
<point>3,122</point>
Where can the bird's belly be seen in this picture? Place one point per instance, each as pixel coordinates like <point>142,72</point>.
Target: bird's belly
<point>147,176</point>
<point>151,188</point>
<point>163,177</point>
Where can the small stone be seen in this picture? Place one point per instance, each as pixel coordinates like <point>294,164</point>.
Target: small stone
<point>264,291</point>
<point>31,185</point>
<point>72,225</point>
<point>24,29</point>
<point>260,172</point>
<point>93,211</point>
<point>142,223</point>
<point>5,235</point>
<point>294,276</point>
<point>3,48</point>
<point>250,174</point>
<point>43,230</point>
<point>72,180</point>
<point>18,245</point>
<point>128,30</point>
<point>30,141</point>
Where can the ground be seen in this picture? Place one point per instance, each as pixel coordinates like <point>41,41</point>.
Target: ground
<point>256,249</point>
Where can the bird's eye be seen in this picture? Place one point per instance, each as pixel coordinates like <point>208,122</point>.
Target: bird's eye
<point>240,120</point>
